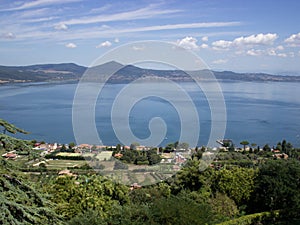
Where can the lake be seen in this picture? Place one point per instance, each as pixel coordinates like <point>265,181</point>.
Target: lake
<point>260,112</point>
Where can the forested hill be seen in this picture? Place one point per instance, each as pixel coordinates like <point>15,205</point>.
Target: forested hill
<point>38,73</point>
<point>124,74</point>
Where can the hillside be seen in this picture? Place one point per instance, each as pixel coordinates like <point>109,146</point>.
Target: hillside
<point>38,73</point>
<point>124,74</point>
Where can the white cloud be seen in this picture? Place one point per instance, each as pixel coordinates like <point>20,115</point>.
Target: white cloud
<point>101,9</point>
<point>104,44</point>
<point>259,39</point>
<point>255,52</point>
<point>188,43</point>
<point>61,26</point>
<point>222,45</point>
<point>267,52</point>
<point>204,39</point>
<point>204,46</point>
<point>220,61</point>
<point>280,47</point>
<point>116,40</point>
<point>293,40</point>
<point>284,55</point>
<point>8,35</point>
<point>71,45</point>
<point>39,3</point>
<point>142,13</point>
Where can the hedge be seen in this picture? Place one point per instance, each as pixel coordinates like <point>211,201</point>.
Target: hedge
<point>253,219</point>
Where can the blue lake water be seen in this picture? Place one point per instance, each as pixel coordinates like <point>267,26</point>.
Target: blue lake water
<point>260,112</point>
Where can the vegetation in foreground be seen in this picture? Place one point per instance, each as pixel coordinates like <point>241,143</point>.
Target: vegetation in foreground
<point>265,191</point>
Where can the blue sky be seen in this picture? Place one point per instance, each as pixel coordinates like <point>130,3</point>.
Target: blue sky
<point>238,35</point>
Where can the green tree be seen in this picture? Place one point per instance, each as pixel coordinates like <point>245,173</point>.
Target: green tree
<point>11,128</point>
<point>183,145</point>
<point>237,183</point>
<point>222,206</point>
<point>20,202</point>
<point>253,145</point>
<point>190,177</point>
<point>134,145</point>
<point>63,148</point>
<point>178,210</point>
<point>277,186</point>
<point>244,143</point>
<point>266,148</point>
<point>279,146</point>
<point>72,145</point>
<point>10,143</point>
<point>94,192</point>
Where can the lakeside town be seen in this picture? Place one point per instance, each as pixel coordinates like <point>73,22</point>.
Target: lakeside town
<point>136,164</point>
<point>79,179</point>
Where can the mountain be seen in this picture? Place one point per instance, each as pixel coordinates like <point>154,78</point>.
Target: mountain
<point>123,74</point>
<point>44,72</point>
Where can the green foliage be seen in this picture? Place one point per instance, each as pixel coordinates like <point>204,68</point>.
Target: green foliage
<point>77,196</point>
<point>237,183</point>
<point>55,155</point>
<point>266,148</point>
<point>150,194</point>
<point>244,143</point>
<point>180,210</point>
<point>120,166</point>
<point>11,143</point>
<point>277,187</point>
<point>149,157</point>
<point>177,210</point>
<point>224,207</point>
<point>253,219</point>
<point>22,204</point>
<point>190,177</point>
<point>11,128</point>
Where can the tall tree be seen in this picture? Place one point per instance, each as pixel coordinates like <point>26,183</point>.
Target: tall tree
<point>277,186</point>
<point>244,143</point>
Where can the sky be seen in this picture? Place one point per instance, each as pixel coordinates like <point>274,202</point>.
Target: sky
<point>237,35</point>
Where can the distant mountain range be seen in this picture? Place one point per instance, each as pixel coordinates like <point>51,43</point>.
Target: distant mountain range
<point>124,74</point>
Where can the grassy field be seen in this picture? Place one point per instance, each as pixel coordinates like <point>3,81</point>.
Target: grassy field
<point>64,164</point>
<point>68,154</point>
<point>105,155</point>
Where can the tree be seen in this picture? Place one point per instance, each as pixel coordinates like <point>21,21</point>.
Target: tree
<point>244,143</point>
<point>266,148</point>
<point>279,146</point>
<point>231,147</point>
<point>20,203</point>
<point>277,187</point>
<point>10,143</point>
<point>134,145</point>
<point>190,177</point>
<point>224,207</point>
<point>88,193</point>
<point>72,145</point>
<point>183,145</point>
<point>237,183</point>
<point>178,210</point>
<point>283,145</point>
<point>11,128</point>
<point>63,148</point>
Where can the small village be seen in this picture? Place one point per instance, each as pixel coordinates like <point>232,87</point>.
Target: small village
<point>133,165</point>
